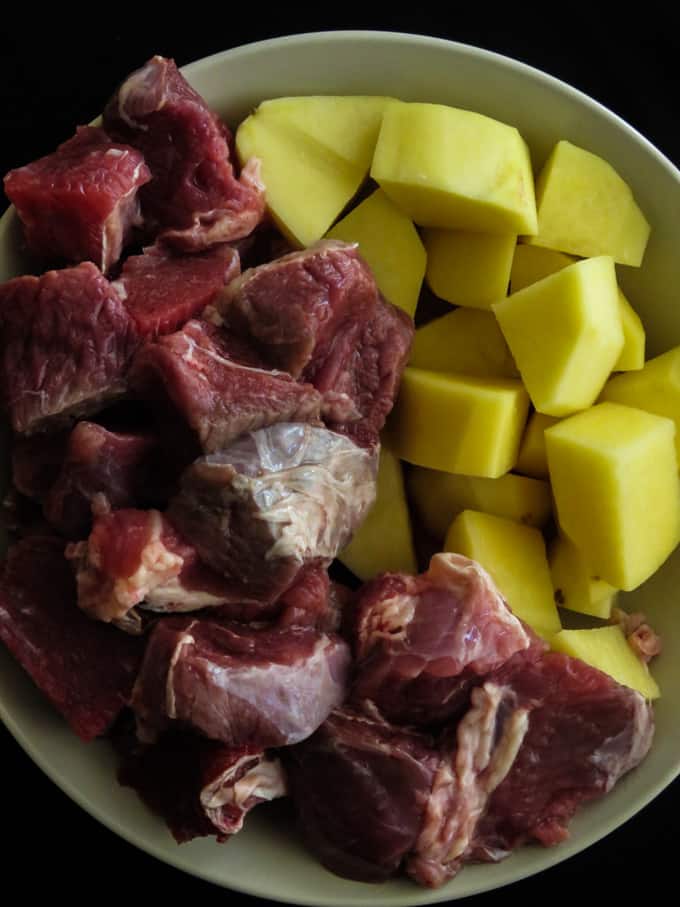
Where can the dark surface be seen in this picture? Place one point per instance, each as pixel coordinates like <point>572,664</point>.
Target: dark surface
<point>52,78</point>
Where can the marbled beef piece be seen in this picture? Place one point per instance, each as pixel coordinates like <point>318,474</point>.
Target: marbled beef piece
<point>422,642</point>
<point>360,788</point>
<point>195,382</point>
<point>274,502</point>
<point>199,786</point>
<point>66,341</point>
<point>194,200</point>
<point>85,669</point>
<point>242,686</point>
<point>318,314</point>
<point>585,731</point>
<point>81,202</point>
<point>162,291</point>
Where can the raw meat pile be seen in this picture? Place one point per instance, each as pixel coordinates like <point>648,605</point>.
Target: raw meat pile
<point>193,444</point>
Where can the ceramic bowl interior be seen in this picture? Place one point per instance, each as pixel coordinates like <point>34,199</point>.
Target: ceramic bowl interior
<point>267,859</point>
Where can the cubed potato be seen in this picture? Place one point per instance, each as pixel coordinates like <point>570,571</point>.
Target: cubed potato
<point>532,263</point>
<point>469,269</point>
<point>345,125</point>
<point>575,586</point>
<point>655,388</point>
<point>606,649</point>
<point>455,169</point>
<point>565,334</point>
<point>584,207</point>
<point>383,542</point>
<point>438,497</point>
<point>390,244</point>
<point>614,475</point>
<point>632,355</point>
<point>532,459</point>
<point>514,555</point>
<point>466,341</point>
<point>457,423</point>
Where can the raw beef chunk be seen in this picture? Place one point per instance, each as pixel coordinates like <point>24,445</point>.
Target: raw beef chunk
<point>87,670</point>
<point>80,203</point>
<point>162,291</point>
<point>193,380</point>
<point>66,340</point>
<point>37,461</point>
<point>422,642</point>
<point>318,315</point>
<point>360,788</point>
<point>194,199</point>
<point>101,471</point>
<point>200,786</point>
<point>310,602</point>
<point>273,502</point>
<point>266,688</point>
<point>585,731</point>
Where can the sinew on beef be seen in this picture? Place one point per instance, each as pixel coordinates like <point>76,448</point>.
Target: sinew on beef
<point>275,501</point>
<point>238,684</point>
<point>422,642</point>
<point>85,669</point>
<point>194,200</point>
<point>80,203</point>
<point>318,314</point>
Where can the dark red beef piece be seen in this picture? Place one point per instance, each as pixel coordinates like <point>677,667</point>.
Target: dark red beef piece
<point>422,642</point>
<point>585,731</point>
<point>81,202</point>
<point>309,602</point>
<point>66,341</point>
<point>199,786</point>
<point>243,686</point>
<point>318,315</point>
<point>101,471</point>
<point>360,788</point>
<point>193,380</point>
<point>37,462</point>
<point>85,669</point>
<point>194,200</point>
<point>163,291</point>
<point>274,502</point>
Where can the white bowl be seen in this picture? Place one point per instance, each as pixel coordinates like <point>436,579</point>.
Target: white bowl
<point>266,859</point>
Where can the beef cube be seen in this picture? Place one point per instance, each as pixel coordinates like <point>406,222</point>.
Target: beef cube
<point>199,786</point>
<point>101,471</point>
<point>422,642</point>
<point>318,315</point>
<point>81,202</point>
<point>274,502</point>
<point>192,377</point>
<point>85,669</point>
<point>66,341</point>
<point>360,788</point>
<point>242,686</point>
<point>162,291</point>
<point>194,200</point>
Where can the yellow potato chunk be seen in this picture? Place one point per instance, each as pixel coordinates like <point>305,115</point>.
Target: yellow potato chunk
<point>455,169</point>
<point>469,269</point>
<point>655,388</point>
<point>383,542</point>
<point>514,555</point>
<point>565,334</point>
<point>467,341</point>
<point>606,649</point>
<point>346,126</point>
<point>532,263</point>
<point>632,355</point>
<point>457,423</point>
<point>614,475</point>
<point>532,459</point>
<point>575,586</point>
<point>390,244</point>
<point>584,207</point>
<point>438,497</point>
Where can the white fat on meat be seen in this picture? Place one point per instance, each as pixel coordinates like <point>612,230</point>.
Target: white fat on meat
<point>618,755</point>
<point>264,781</point>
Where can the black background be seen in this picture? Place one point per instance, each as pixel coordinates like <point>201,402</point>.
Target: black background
<point>55,74</point>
